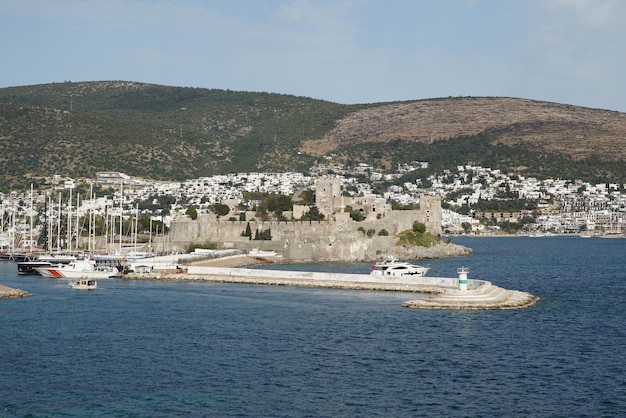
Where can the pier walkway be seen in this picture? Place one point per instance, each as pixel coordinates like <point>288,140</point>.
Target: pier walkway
<point>440,292</point>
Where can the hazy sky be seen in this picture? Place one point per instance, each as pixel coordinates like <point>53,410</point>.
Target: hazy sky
<point>345,51</point>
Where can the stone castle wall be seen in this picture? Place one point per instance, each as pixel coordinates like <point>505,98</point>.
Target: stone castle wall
<point>342,239</point>
<point>337,238</point>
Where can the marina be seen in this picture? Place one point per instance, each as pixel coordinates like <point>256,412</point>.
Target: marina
<point>199,348</point>
<point>390,275</point>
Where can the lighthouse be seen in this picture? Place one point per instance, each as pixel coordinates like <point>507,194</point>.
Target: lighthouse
<point>462,271</point>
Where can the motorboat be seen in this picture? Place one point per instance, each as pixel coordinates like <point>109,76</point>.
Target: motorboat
<point>29,266</point>
<point>393,267</point>
<point>83,283</point>
<point>85,268</point>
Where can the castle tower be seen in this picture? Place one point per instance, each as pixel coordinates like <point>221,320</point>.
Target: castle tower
<point>430,208</point>
<point>327,192</point>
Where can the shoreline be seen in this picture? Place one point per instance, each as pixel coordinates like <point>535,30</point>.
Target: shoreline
<point>440,292</point>
<point>608,236</point>
<point>11,293</point>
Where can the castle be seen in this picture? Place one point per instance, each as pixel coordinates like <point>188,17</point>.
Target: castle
<point>336,238</point>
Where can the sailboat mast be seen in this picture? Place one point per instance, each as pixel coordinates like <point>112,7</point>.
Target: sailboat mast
<point>31,218</point>
<point>106,227</point>
<point>59,226</point>
<point>69,223</point>
<point>121,212</point>
<point>136,219</point>
<point>50,223</point>
<point>77,220</point>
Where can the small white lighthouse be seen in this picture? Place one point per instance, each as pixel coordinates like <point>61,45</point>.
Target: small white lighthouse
<point>463,271</point>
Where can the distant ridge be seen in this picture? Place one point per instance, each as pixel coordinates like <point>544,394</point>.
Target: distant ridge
<point>174,133</point>
<point>573,131</point>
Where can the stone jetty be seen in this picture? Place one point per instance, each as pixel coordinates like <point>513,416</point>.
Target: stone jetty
<point>486,296</point>
<point>9,293</point>
<point>440,292</point>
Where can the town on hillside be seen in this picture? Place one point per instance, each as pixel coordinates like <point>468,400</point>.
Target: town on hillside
<point>65,213</point>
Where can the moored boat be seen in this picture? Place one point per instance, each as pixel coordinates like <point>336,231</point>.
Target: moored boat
<point>46,260</point>
<point>393,267</point>
<point>85,268</point>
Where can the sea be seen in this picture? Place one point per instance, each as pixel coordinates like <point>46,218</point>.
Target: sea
<point>188,349</point>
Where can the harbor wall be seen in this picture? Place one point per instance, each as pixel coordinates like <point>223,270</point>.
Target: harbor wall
<point>230,272</point>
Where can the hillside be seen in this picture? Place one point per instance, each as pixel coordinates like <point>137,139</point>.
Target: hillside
<point>576,132</point>
<point>174,133</point>
<point>158,132</point>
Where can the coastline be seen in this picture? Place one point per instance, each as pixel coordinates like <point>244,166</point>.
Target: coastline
<point>11,293</point>
<point>440,292</point>
<point>604,236</point>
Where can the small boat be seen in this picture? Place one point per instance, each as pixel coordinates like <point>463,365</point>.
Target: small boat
<point>83,283</point>
<point>393,267</point>
<point>255,252</point>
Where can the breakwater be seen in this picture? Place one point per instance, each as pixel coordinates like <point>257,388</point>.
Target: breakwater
<point>441,292</point>
<point>10,293</point>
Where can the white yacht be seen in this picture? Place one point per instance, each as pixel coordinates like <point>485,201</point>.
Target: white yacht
<point>393,267</point>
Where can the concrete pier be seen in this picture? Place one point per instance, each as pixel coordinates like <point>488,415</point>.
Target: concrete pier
<point>444,292</point>
<point>487,296</point>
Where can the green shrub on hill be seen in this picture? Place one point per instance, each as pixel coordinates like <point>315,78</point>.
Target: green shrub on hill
<point>417,237</point>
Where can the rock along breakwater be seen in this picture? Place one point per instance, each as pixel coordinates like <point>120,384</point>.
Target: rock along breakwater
<point>10,293</point>
<point>441,292</point>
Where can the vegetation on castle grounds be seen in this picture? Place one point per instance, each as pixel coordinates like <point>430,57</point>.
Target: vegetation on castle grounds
<point>417,237</point>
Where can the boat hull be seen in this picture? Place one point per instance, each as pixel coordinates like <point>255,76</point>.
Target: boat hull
<point>393,268</point>
<point>83,284</point>
<point>78,269</point>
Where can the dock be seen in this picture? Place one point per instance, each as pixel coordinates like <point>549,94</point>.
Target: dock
<point>441,292</point>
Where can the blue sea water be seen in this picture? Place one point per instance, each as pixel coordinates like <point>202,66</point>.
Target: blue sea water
<point>163,349</point>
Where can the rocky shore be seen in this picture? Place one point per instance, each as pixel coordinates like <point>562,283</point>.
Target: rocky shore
<point>442,250</point>
<point>10,293</point>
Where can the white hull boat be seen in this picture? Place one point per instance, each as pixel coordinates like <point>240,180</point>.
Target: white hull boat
<point>394,268</point>
<point>77,270</point>
<point>83,284</point>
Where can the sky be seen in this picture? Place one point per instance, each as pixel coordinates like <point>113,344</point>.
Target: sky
<point>344,51</point>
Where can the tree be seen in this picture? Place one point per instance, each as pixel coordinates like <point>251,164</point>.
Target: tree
<point>263,235</point>
<point>419,227</point>
<point>192,213</point>
<point>220,209</point>
<point>307,197</point>
<point>313,215</point>
<point>357,215</point>
<point>247,232</point>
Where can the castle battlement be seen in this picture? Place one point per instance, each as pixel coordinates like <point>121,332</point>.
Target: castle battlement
<point>337,237</point>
